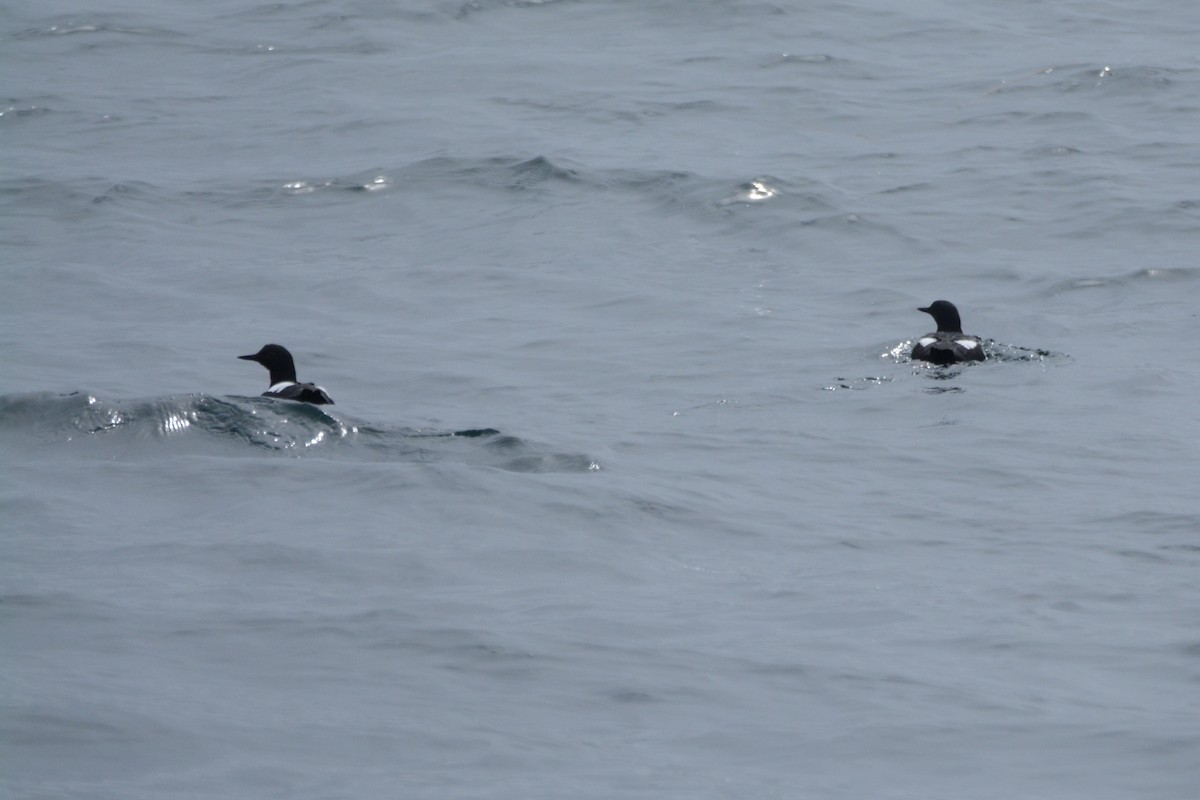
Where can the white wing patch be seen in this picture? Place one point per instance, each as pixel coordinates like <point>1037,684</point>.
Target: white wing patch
<point>925,341</point>
<point>966,344</point>
<point>279,387</point>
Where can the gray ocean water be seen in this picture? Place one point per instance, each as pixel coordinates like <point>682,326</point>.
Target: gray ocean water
<point>729,541</point>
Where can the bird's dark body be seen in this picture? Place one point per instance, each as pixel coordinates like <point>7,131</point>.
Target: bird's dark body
<point>948,344</point>
<point>284,386</point>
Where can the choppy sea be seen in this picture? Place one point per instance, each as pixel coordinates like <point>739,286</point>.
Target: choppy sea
<point>630,489</point>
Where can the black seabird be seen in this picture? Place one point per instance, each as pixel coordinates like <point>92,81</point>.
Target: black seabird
<point>949,345</point>
<point>283,377</point>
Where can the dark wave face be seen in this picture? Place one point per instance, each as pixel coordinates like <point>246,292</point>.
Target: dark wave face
<point>200,423</point>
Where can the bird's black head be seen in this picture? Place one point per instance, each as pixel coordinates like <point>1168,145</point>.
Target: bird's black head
<point>276,359</point>
<point>945,315</point>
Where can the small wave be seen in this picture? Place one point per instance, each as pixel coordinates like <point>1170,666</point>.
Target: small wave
<point>999,351</point>
<point>804,59</point>
<point>1134,80</point>
<point>765,201</point>
<point>200,423</point>
<point>513,174</point>
<point>857,384</point>
<point>667,188</point>
<point>756,191</point>
<point>110,24</point>
<point>472,7</point>
<point>15,111</point>
<point>1180,274</point>
<point>758,199</point>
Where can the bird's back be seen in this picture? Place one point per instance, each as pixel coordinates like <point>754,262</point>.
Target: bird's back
<point>948,348</point>
<point>303,392</point>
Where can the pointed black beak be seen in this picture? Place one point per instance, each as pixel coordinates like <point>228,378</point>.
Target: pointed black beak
<point>926,310</point>
<point>250,358</point>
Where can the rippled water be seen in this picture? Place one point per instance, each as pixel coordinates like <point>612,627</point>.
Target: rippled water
<point>631,489</point>
<point>76,423</point>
